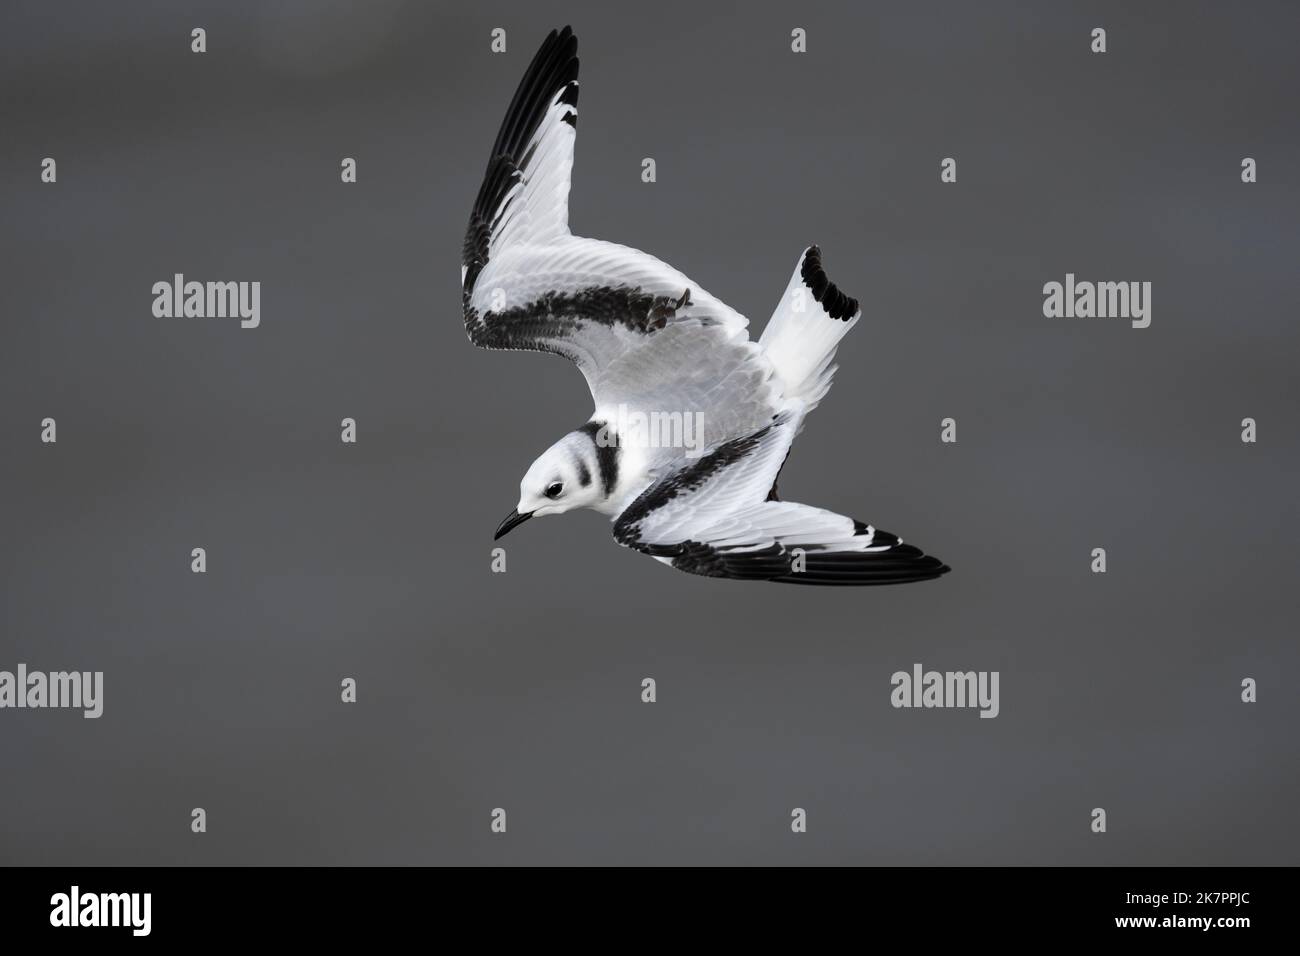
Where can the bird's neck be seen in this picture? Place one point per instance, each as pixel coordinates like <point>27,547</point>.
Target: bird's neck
<point>620,469</point>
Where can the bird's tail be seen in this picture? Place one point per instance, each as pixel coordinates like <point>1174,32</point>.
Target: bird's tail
<point>804,331</point>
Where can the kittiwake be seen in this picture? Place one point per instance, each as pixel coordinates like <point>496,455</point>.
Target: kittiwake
<point>656,347</point>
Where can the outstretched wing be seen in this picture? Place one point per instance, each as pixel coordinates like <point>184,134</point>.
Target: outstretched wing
<point>528,284</point>
<point>712,518</point>
<point>525,192</point>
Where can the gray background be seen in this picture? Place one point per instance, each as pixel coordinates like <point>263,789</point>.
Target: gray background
<point>521,690</point>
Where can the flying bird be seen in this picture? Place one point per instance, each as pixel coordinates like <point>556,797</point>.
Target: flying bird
<point>651,342</point>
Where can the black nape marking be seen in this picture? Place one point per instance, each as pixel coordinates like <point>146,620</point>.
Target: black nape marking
<point>606,446</point>
<point>836,303</point>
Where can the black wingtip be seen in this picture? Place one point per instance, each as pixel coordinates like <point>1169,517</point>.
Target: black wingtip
<point>551,74</point>
<point>836,303</point>
<point>844,569</point>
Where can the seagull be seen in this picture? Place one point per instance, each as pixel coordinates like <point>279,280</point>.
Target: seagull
<point>655,346</point>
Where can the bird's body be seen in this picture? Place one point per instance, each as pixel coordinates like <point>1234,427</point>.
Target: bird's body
<point>663,359</point>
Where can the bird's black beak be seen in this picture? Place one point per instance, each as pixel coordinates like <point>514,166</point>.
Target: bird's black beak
<point>513,520</point>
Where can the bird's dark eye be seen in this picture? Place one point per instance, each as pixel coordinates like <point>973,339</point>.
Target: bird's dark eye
<point>553,489</point>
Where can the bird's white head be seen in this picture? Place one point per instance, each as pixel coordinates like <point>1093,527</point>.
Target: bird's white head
<point>578,471</point>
